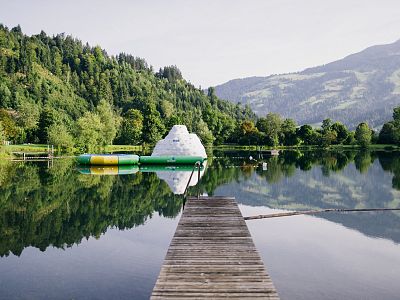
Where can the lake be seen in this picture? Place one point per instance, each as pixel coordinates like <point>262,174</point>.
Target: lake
<point>72,233</point>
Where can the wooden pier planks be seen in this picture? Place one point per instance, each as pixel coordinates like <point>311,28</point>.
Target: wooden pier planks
<point>212,256</point>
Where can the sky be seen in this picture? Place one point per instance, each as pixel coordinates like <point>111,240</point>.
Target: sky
<point>213,41</point>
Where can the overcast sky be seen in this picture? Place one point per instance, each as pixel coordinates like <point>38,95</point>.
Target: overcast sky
<point>213,41</point>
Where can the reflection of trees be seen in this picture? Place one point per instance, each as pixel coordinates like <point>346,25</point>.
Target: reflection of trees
<point>332,181</point>
<point>363,161</point>
<point>391,162</point>
<point>221,171</point>
<point>41,207</point>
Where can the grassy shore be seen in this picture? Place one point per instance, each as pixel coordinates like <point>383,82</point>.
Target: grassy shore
<point>7,151</point>
<point>307,147</point>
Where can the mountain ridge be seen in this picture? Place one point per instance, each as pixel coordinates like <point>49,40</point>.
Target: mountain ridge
<point>364,86</point>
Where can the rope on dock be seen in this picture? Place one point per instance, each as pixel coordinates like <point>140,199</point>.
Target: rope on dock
<point>312,212</point>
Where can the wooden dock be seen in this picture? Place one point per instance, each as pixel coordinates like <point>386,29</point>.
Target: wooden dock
<point>212,256</point>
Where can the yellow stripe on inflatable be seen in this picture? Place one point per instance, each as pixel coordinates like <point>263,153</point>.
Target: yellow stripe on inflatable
<point>104,160</point>
<point>104,170</point>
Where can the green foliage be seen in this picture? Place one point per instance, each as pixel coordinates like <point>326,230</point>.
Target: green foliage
<point>271,127</point>
<point>363,134</point>
<point>328,137</point>
<point>288,133</point>
<point>2,133</point>
<point>326,125</point>
<point>205,134</point>
<point>48,117</point>
<point>342,132</point>
<point>131,128</point>
<point>65,207</point>
<point>390,132</point>
<point>60,137</point>
<point>172,73</point>
<point>90,131</point>
<point>110,120</point>
<point>307,135</point>
<point>51,80</point>
<point>10,127</point>
<point>248,133</point>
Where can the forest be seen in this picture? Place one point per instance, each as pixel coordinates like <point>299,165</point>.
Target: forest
<point>60,91</point>
<point>57,90</point>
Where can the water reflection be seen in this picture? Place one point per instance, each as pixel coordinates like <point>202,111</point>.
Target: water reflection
<point>59,207</point>
<point>317,180</point>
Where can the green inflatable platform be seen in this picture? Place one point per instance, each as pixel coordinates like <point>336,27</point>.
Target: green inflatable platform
<point>131,159</point>
<point>170,160</point>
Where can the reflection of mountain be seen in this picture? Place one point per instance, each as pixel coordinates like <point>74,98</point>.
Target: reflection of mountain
<point>40,207</point>
<point>58,207</point>
<point>284,186</point>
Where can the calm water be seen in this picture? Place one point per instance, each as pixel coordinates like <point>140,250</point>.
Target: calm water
<point>68,235</point>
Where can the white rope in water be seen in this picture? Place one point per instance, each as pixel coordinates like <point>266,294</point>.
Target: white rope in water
<point>312,212</point>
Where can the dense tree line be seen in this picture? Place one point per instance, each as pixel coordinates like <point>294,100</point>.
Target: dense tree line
<point>272,130</point>
<point>59,90</point>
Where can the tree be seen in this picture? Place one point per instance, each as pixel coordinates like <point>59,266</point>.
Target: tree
<point>341,132</point>
<point>166,108</point>
<point>60,78</point>
<point>153,128</point>
<point>5,95</point>
<point>46,119</point>
<point>2,134</point>
<point>10,128</point>
<point>389,134</point>
<point>396,114</point>
<point>326,125</point>
<point>271,126</point>
<point>307,135</point>
<point>131,128</point>
<point>59,136</point>
<point>28,115</point>
<point>172,73</point>
<point>247,133</point>
<point>288,133</point>
<point>205,134</point>
<point>110,120</point>
<point>363,134</point>
<point>89,131</point>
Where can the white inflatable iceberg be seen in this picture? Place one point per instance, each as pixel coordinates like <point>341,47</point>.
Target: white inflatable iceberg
<point>179,142</point>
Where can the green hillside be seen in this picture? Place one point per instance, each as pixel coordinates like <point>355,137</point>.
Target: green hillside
<point>362,87</point>
<point>60,90</point>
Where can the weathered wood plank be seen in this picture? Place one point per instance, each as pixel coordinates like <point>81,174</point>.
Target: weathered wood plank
<point>212,256</point>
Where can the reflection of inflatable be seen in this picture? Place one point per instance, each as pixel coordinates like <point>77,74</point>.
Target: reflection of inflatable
<point>108,159</point>
<point>170,160</point>
<point>179,168</point>
<point>178,178</point>
<point>109,170</point>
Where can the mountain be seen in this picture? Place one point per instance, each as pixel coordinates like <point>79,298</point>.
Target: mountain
<point>57,89</point>
<point>360,87</point>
